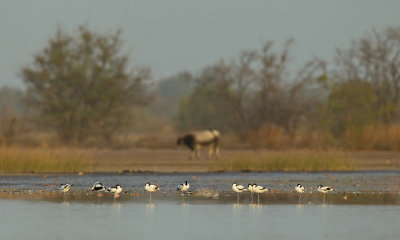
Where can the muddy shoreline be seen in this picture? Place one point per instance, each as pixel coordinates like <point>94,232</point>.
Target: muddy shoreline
<point>199,197</point>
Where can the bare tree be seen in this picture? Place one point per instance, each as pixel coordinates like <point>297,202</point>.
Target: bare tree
<point>374,58</point>
<point>257,89</point>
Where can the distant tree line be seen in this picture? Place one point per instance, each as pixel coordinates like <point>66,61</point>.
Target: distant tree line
<point>251,91</point>
<point>82,86</point>
<point>259,89</point>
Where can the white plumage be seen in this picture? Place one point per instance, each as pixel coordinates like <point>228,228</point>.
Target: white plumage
<point>151,187</point>
<point>299,188</point>
<point>115,189</point>
<point>324,189</point>
<point>259,189</point>
<point>64,188</point>
<point>183,187</point>
<point>238,188</point>
<point>250,187</point>
<point>98,186</point>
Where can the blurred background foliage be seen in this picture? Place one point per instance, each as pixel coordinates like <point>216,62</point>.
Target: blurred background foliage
<point>82,89</point>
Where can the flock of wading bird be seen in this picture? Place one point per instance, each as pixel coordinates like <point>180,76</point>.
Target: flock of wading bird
<point>184,188</point>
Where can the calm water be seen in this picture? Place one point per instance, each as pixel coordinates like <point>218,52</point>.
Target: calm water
<point>169,220</point>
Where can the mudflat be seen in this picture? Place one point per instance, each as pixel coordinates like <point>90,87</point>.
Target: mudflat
<point>177,160</point>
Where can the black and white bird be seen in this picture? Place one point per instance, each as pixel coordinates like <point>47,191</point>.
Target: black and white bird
<point>300,189</point>
<point>115,189</point>
<point>238,189</point>
<point>259,189</point>
<point>324,189</point>
<point>64,188</point>
<point>151,188</point>
<point>250,188</point>
<point>183,187</point>
<point>98,186</point>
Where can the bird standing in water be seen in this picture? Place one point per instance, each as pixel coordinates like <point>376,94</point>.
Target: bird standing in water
<point>300,189</point>
<point>151,188</point>
<point>324,189</point>
<point>250,188</point>
<point>238,189</point>
<point>64,188</point>
<point>117,189</point>
<point>183,187</point>
<point>98,186</point>
<point>259,189</point>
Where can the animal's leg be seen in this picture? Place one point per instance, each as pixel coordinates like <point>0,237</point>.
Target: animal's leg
<point>210,152</point>
<point>216,151</point>
<point>192,154</point>
<point>197,150</point>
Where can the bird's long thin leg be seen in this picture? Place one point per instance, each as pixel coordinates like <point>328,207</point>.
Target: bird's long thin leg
<point>258,195</point>
<point>324,199</point>
<point>300,198</point>
<point>150,197</point>
<point>237,197</point>
<point>251,197</point>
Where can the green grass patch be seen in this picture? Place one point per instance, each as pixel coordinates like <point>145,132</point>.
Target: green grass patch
<point>298,160</point>
<point>42,160</point>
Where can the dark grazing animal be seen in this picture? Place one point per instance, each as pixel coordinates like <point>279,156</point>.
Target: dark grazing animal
<point>196,140</point>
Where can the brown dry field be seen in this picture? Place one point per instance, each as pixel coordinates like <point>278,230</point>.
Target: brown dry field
<point>176,160</point>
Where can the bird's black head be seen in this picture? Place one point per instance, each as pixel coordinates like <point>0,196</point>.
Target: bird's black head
<point>186,182</point>
<point>320,186</point>
<point>234,183</point>
<point>298,185</point>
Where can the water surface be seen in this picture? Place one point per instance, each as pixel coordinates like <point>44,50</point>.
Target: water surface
<point>170,220</point>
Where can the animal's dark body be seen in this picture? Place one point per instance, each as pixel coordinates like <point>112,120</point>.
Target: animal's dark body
<point>196,140</point>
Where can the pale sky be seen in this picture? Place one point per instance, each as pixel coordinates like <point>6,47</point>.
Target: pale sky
<point>176,35</point>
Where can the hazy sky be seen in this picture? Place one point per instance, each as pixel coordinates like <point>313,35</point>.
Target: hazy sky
<point>171,35</point>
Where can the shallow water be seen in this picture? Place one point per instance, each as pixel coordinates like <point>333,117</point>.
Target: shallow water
<point>169,220</point>
<point>381,181</point>
<point>381,188</point>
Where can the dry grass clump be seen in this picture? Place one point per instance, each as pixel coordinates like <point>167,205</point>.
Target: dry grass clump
<point>295,160</point>
<point>378,137</point>
<point>42,160</point>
